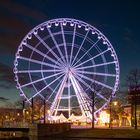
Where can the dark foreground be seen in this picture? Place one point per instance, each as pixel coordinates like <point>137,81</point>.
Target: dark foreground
<point>103,133</point>
<point>50,138</point>
<point>89,134</point>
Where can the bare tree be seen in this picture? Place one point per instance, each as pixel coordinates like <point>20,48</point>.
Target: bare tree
<point>95,89</point>
<point>133,81</point>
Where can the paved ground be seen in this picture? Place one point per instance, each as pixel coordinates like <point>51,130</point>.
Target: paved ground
<point>97,133</point>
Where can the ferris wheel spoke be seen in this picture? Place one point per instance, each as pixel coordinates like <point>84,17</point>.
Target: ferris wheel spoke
<point>92,58</point>
<point>64,42</point>
<point>80,88</point>
<point>83,82</point>
<point>80,94</point>
<point>45,87</point>
<point>41,53</point>
<point>73,40</point>
<point>54,91</point>
<point>69,97</point>
<point>37,71</point>
<point>53,38</point>
<point>38,62</point>
<point>44,78</point>
<point>43,42</point>
<point>80,47</point>
<point>96,73</point>
<point>57,99</point>
<point>87,51</point>
<point>92,89</point>
<point>95,81</point>
<point>101,96</point>
<point>35,87</point>
<point>97,65</point>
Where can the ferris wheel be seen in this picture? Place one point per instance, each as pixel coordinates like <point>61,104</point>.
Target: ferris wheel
<point>64,61</point>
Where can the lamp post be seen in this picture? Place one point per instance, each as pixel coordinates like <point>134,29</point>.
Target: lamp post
<point>44,111</point>
<point>93,110</point>
<point>32,116</point>
<point>110,121</point>
<point>135,104</point>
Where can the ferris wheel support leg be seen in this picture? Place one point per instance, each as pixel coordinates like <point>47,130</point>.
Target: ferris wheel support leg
<point>81,97</point>
<point>69,103</point>
<point>56,102</point>
<point>78,98</point>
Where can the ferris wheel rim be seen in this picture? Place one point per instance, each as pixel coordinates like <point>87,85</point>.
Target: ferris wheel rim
<point>76,22</point>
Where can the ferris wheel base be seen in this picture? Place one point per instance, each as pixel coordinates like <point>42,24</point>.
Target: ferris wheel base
<point>73,118</point>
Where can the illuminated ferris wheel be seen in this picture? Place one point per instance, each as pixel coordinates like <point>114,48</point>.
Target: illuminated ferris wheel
<point>64,61</point>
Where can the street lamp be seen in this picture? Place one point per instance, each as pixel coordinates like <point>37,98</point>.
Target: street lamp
<point>48,114</point>
<point>18,114</point>
<point>6,117</point>
<point>27,112</point>
<point>115,103</point>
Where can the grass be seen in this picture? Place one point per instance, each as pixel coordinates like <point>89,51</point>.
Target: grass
<point>102,133</point>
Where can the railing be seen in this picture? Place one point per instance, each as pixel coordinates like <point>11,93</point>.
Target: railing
<point>14,125</point>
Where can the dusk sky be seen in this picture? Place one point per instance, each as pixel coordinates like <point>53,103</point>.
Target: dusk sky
<point>118,20</point>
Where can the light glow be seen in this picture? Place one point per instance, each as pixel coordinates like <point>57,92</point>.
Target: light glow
<point>104,117</point>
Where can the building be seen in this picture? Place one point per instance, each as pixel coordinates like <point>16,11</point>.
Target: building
<point>10,116</point>
<point>134,99</point>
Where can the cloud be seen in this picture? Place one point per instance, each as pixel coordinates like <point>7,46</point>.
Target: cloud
<point>3,99</point>
<point>7,77</point>
<point>6,73</point>
<point>16,21</point>
<point>22,10</point>
<point>11,33</point>
<point>5,85</point>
